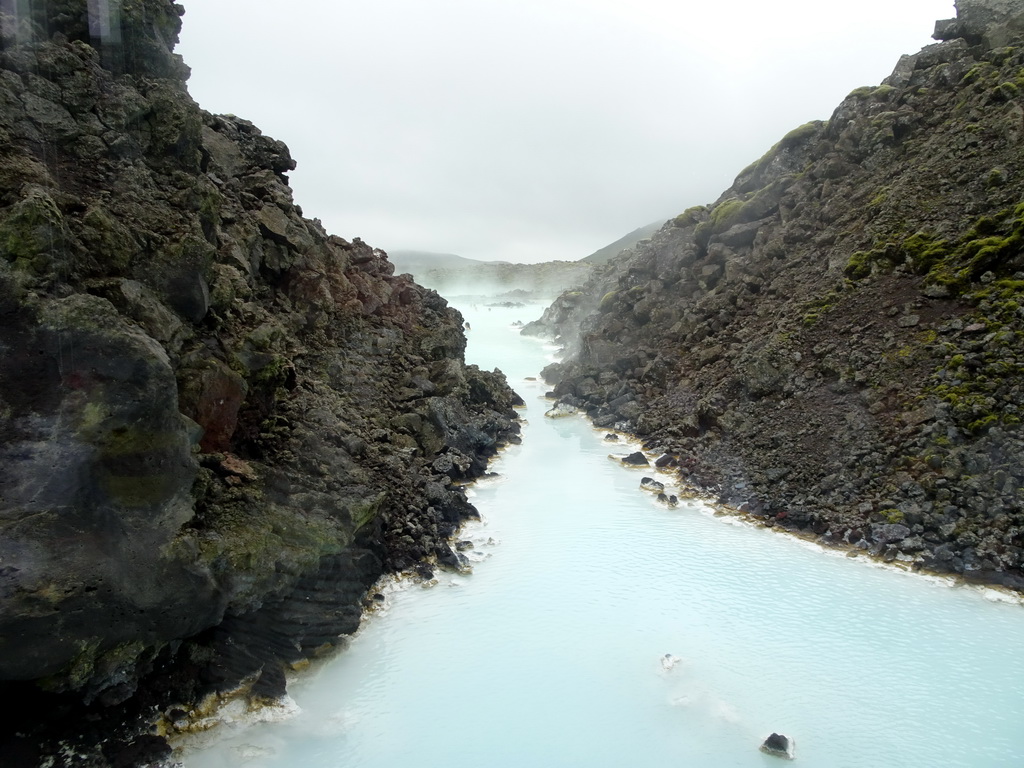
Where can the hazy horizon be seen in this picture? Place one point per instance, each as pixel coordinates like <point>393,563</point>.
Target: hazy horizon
<point>536,130</point>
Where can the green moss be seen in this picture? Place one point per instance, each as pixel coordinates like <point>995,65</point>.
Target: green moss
<point>607,301</point>
<point>107,241</point>
<point>892,516</point>
<point>723,215</point>
<point>924,251</point>
<point>78,672</point>
<point>866,92</point>
<point>858,266</point>
<point>982,425</point>
<point>996,178</point>
<point>978,74</point>
<point>32,233</point>
<point>730,212</point>
<point>1005,92</point>
<point>882,92</point>
<point>986,225</point>
<point>990,243</point>
<point>801,134</point>
<point>131,460</point>
<point>121,658</point>
<point>275,373</point>
<point>879,199</point>
<point>816,308</point>
<point>793,138</point>
<point>210,204</point>
<point>366,510</point>
<point>237,540</point>
<point>690,216</point>
<point>882,258</point>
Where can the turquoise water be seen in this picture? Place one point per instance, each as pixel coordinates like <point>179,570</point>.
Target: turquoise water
<point>550,652</point>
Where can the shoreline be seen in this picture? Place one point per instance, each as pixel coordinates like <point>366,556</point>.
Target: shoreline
<point>838,548</point>
<point>229,711</point>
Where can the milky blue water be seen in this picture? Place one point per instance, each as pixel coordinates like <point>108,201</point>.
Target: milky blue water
<point>550,652</point>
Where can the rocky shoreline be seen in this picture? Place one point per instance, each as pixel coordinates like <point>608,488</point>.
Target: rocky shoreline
<point>677,488</point>
<point>832,346</point>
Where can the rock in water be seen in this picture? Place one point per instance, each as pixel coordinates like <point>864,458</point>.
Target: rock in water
<point>652,485</point>
<point>779,746</point>
<point>636,459</point>
<point>561,410</point>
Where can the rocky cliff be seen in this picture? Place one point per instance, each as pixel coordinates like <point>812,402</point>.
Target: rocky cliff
<point>835,345</point>
<point>218,423</point>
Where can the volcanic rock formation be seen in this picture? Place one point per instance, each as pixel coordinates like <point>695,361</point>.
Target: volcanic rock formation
<point>835,344</point>
<point>218,424</point>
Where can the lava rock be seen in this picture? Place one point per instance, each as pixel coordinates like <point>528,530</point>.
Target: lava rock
<point>636,459</point>
<point>778,745</point>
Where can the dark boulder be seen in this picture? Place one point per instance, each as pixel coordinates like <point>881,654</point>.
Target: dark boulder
<point>652,485</point>
<point>636,459</point>
<point>778,745</point>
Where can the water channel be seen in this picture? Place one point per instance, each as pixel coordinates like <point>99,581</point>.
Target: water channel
<point>551,653</point>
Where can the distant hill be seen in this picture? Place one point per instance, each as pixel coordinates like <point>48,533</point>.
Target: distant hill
<point>452,275</point>
<point>612,250</point>
<point>415,262</point>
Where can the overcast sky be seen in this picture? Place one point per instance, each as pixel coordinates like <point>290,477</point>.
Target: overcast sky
<point>530,130</point>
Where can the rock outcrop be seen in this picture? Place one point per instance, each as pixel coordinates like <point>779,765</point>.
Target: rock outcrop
<point>218,423</point>
<point>834,345</point>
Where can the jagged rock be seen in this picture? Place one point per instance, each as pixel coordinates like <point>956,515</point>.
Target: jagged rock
<point>778,745</point>
<point>561,410</point>
<point>993,23</point>
<point>887,534</point>
<point>636,459</point>
<point>218,424</point>
<point>652,485</point>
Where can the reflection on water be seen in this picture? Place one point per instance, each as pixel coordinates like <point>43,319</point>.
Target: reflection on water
<point>552,652</point>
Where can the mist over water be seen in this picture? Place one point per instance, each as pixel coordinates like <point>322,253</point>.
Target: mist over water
<point>550,653</point>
